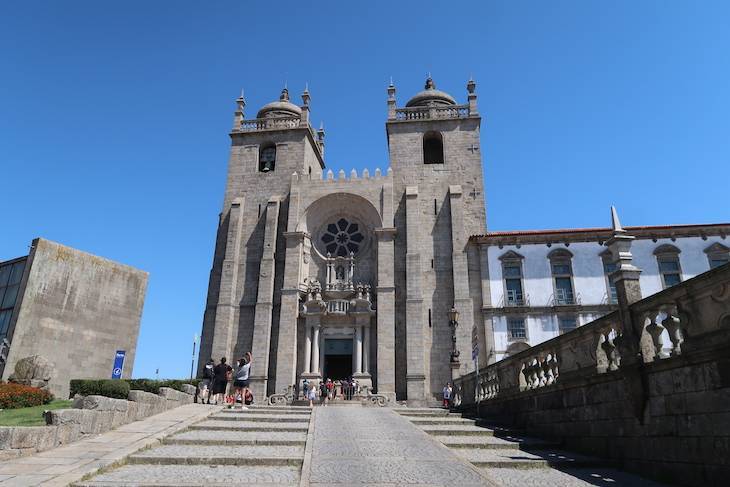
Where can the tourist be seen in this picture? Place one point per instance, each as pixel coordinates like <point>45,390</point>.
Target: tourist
<point>240,380</point>
<point>305,389</point>
<point>207,381</point>
<point>311,395</point>
<point>330,391</point>
<point>247,397</point>
<point>221,373</point>
<point>447,395</point>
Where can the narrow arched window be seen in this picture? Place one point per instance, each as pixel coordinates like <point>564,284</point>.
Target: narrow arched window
<point>433,148</point>
<point>562,270</point>
<point>267,158</point>
<point>667,257</point>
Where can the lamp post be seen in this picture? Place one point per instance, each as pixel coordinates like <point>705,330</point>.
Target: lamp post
<point>192,362</point>
<point>454,323</point>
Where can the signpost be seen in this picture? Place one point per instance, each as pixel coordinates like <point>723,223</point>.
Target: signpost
<point>118,364</point>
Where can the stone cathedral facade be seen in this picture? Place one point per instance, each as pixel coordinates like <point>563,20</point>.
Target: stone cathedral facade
<point>323,275</point>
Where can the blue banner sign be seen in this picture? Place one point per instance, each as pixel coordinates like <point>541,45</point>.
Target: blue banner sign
<point>118,364</point>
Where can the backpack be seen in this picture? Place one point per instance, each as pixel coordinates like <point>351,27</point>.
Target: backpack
<point>208,372</point>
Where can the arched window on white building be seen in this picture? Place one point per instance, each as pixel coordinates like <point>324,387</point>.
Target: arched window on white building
<point>512,277</point>
<point>562,272</point>
<point>717,255</point>
<point>667,257</point>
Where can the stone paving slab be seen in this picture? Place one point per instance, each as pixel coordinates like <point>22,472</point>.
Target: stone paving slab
<point>509,477</point>
<point>242,437</point>
<point>69,463</point>
<point>197,475</point>
<point>380,448</point>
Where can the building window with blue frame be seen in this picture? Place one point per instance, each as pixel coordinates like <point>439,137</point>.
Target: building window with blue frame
<point>667,257</point>
<point>11,274</point>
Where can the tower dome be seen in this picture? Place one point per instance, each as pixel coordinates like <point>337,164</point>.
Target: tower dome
<point>430,96</point>
<point>281,108</point>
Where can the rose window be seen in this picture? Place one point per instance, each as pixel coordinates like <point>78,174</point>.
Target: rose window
<point>341,238</point>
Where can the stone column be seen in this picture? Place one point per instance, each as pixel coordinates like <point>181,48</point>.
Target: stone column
<point>307,349</point>
<point>385,355</point>
<point>316,352</point>
<point>415,347</point>
<point>264,303</point>
<point>358,350</point>
<point>366,350</point>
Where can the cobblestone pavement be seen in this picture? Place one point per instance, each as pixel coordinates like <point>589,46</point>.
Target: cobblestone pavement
<point>258,446</point>
<point>375,446</point>
<point>508,459</point>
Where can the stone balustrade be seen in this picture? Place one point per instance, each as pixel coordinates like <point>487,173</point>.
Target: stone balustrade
<point>432,113</point>
<point>646,385</point>
<point>694,308</point>
<point>274,123</point>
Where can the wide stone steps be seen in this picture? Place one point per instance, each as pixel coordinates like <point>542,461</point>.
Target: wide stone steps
<point>419,412</point>
<point>213,424</point>
<point>214,455</point>
<point>222,437</point>
<point>498,451</point>
<point>196,475</point>
<point>279,418</point>
<point>495,442</point>
<point>257,446</point>
<point>511,458</point>
<point>420,421</point>
<point>275,410</point>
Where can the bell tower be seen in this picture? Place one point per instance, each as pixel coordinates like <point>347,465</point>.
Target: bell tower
<point>244,291</point>
<point>434,148</point>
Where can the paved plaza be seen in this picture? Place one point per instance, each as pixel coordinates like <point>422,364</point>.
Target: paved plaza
<point>321,447</point>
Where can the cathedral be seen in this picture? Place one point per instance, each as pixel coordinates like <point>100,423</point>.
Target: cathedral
<point>391,276</point>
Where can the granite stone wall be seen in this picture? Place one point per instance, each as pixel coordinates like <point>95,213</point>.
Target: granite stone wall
<point>76,311</point>
<point>91,415</point>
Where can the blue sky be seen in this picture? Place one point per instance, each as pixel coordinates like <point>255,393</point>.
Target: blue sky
<point>114,117</point>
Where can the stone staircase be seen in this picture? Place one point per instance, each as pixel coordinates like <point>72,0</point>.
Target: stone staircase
<point>509,458</point>
<point>263,445</point>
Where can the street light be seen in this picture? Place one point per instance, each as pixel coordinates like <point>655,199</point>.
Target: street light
<point>454,322</point>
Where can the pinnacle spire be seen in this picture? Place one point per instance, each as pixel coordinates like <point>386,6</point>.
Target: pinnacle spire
<point>615,222</point>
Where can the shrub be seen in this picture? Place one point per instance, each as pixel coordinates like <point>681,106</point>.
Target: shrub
<point>14,396</point>
<point>115,388</point>
<point>153,386</point>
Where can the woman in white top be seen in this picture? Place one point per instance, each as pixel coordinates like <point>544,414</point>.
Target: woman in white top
<point>241,378</point>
